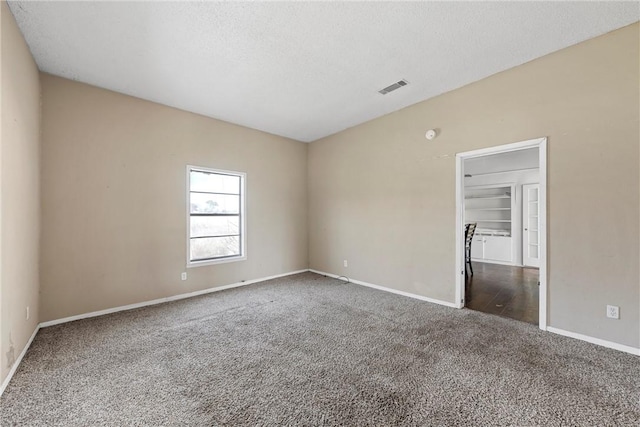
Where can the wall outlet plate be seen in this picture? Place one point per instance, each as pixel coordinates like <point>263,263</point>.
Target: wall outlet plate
<point>183,276</point>
<point>346,264</point>
<point>613,311</point>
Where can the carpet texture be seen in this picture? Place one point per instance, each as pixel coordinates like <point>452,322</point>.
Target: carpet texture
<point>310,350</point>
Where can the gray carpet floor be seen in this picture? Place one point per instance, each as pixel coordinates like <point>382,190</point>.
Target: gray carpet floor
<point>310,350</point>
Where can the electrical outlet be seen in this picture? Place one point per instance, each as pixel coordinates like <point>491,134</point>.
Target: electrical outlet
<point>613,311</point>
<point>28,313</point>
<point>183,276</point>
<point>346,264</point>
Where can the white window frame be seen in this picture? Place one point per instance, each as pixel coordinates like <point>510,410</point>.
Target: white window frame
<point>243,217</point>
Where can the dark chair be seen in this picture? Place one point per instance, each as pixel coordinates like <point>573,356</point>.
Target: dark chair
<point>469,229</point>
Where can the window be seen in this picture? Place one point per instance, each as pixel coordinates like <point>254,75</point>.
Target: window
<point>216,216</point>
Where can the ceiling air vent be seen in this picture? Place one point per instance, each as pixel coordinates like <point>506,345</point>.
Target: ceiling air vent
<point>391,88</point>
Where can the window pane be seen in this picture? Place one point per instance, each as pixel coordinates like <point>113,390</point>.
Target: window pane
<point>214,183</point>
<point>214,225</point>
<point>214,247</point>
<point>214,203</point>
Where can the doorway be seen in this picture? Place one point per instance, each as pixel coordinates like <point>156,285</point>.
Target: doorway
<point>502,192</point>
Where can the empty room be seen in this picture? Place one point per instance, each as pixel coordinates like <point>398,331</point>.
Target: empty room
<point>319,213</point>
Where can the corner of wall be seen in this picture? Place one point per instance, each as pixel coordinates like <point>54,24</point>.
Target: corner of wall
<point>19,195</point>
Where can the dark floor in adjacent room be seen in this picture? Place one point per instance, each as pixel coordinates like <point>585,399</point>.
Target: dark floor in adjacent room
<point>504,290</point>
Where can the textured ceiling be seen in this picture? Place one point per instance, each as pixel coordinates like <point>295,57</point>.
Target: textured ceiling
<point>301,70</point>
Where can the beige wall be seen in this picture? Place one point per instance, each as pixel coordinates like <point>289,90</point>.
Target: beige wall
<point>114,199</point>
<point>19,193</point>
<point>379,195</point>
<point>383,197</point>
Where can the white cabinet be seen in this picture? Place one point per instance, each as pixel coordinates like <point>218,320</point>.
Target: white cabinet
<point>497,248</point>
<point>477,247</point>
<point>492,249</point>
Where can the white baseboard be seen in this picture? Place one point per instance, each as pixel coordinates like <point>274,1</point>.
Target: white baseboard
<point>163,300</point>
<point>490,261</point>
<point>597,341</point>
<point>393,291</point>
<point>14,368</point>
<point>130,307</point>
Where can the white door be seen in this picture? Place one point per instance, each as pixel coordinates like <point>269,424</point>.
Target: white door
<point>530,225</point>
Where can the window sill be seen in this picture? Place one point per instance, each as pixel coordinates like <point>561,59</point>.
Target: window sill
<point>192,264</point>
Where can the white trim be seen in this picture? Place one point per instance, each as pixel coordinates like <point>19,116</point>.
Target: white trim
<point>490,261</point>
<point>504,148</point>
<point>163,300</point>
<point>393,291</point>
<point>541,144</point>
<point>543,314</point>
<point>130,307</point>
<point>14,368</point>
<point>609,344</point>
<point>192,264</point>
<point>460,244</point>
<point>243,217</point>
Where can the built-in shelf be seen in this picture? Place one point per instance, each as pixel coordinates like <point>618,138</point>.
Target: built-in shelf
<point>501,172</point>
<point>504,196</point>
<point>490,207</point>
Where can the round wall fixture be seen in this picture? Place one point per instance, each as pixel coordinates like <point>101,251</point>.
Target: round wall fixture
<point>431,134</point>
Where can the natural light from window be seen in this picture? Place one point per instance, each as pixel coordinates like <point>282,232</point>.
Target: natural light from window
<point>216,216</point>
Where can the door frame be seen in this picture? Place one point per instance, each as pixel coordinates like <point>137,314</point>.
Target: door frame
<point>541,144</point>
